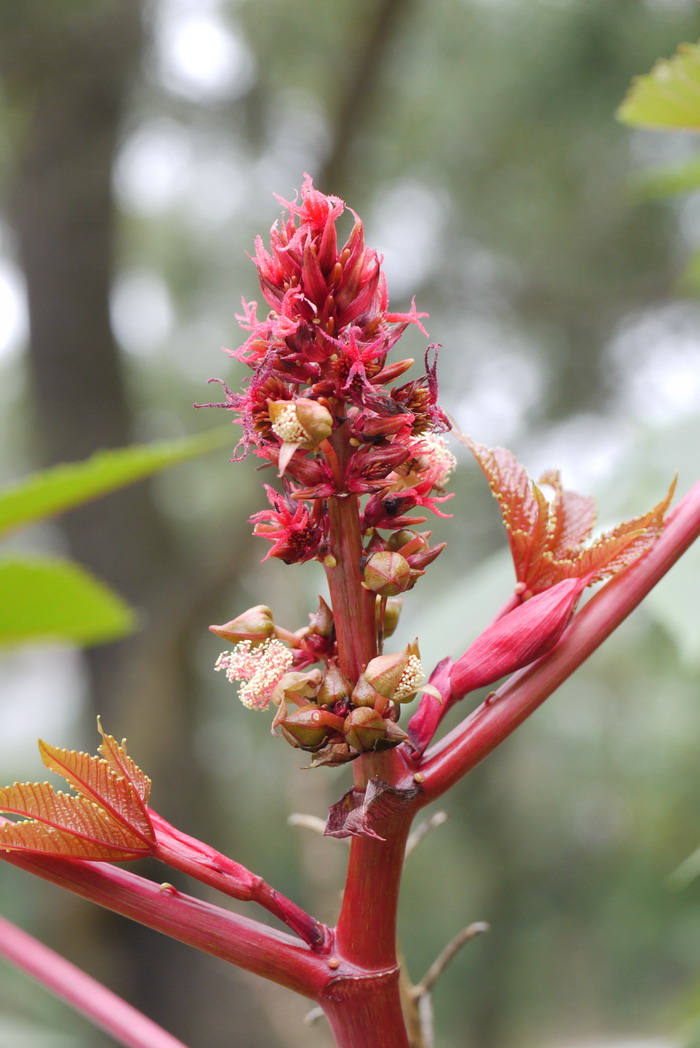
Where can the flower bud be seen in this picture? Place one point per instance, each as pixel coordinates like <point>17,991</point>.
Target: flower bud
<point>255,625</point>
<point>393,371</point>
<point>297,686</point>
<point>315,419</point>
<point>364,729</point>
<point>309,727</point>
<point>381,426</point>
<point>334,688</point>
<point>322,620</point>
<point>388,573</point>
<point>406,542</point>
<point>298,424</point>
<point>393,677</point>
<point>371,464</point>
<point>363,694</point>
<point>422,558</point>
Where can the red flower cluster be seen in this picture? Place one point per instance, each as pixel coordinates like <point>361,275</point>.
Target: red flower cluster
<point>319,365</point>
<point>321,408</point>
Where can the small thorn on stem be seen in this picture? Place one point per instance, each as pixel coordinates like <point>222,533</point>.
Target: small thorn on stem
<point>421,831</point>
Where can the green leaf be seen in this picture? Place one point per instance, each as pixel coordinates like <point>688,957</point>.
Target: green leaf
<point>667,180</point>
<point>43,599</point>
<point>61,488</point>
<point>668,96</point>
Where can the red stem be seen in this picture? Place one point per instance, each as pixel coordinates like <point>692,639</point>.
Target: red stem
<point>365,1009</point>
<point>492,722</point>
<point>366,1013</point>
<point>353,605</point>
<point>209,866</point>
<point>124,1023</point>
<point>277,956</point>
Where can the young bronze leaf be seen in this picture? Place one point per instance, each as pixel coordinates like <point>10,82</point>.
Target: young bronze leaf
<point>93,777</point>
<point>524,508</point>
<point>572,516</point>
<point>33,837</point>
<point>614,550</point>
<point>63,825</point>
<point>547,538</point>
<point>121,763</point>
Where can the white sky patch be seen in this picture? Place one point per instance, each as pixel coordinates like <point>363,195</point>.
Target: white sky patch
<point>586,449</point>
<point>655,357</point>
<point>217,187</point>
<point>298,139</point>
<point>14,321</point>
<point>41,685</point>
<point>141,310</point>
<point>199,56</point>
<point>500,380</point>
<point>406,230</point>
<point>154,167</point>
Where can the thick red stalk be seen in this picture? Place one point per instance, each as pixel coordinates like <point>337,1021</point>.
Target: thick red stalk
<point>123,1022</point>
<point>366,1013</point>
<point>365,1010</point>
<point>265,951</point>
<point>353,605</point>
<point>492,722</point>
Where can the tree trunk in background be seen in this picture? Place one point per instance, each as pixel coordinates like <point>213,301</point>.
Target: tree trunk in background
<point>67,70</point>
<point>71,70</point>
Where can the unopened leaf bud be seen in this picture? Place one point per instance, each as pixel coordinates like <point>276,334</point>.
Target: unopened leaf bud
<point>388,574</point>
<point>255,625</point>
<point>518,638</point>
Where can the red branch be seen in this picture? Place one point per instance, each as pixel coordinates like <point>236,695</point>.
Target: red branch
<point>249,944</point>
<point>493,721</point>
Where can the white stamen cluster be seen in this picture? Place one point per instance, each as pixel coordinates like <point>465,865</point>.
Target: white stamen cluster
<point>261,667</point>
<point>411,679</point>
<point>438,458</point>
<point>287,426</point>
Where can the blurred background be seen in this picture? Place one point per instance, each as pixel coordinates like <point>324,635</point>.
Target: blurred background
<point>141,146</point>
